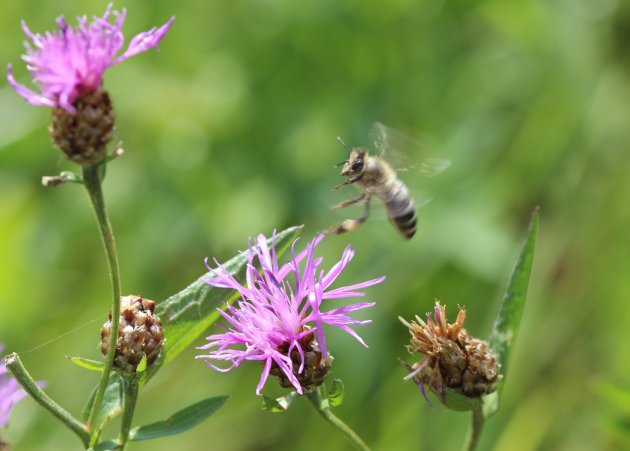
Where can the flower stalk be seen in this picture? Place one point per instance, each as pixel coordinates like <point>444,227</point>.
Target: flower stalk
<point>131,396</point>
<point>476,425</point>
<point>319,400</point>
<point>15,366</point>
<point>92,180</point>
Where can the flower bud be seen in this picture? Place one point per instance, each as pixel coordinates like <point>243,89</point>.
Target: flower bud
<point>139,334</point>
<point>314,368</point>
<point>84,134</point>
<point>452,358</point>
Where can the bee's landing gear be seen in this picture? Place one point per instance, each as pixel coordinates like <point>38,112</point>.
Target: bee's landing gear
<point>348,182</point>
<point>350,225</point>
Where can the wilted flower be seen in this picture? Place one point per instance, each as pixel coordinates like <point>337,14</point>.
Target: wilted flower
<point>10,391</point>
<point>279,323</point>
<point>452,358</point>
<point>71,62</point>
<point>139,335</point>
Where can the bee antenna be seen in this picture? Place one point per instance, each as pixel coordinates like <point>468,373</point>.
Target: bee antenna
<point>343,144</point>
<point>341,164</point>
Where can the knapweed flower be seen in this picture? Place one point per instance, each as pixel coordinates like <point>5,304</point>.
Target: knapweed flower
<point>10,391</point>
<point>279,323</point>
<point>452,358</point>
<point>68,66</point>
<point>139,335</point>
<point>72,61</point>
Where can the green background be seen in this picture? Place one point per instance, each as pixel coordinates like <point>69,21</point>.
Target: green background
<point>230,131</point>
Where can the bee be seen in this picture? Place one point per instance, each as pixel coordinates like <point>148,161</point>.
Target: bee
<point>377,179</point>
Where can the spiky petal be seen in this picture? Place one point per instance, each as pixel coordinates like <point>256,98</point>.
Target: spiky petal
<point>280,314</point>
<point>70,62</point>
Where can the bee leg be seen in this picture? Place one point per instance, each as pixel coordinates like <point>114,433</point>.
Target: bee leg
<point>348,182</point>
<point>347,203</point>
<point>350,225</point>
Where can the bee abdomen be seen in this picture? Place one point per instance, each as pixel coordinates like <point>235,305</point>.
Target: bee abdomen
<point>406,224</point>
<point>402,211</point>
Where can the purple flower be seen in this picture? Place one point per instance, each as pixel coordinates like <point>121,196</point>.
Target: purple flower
<point>10,391</point>
<point>70,62</point>
<point>274,319</point>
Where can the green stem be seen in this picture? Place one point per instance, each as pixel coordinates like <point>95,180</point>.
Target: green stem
<point>14,364</point>
<point>474,432</point>
<point>131,396</point>
<point>92,182</point>
<point>320,401</point>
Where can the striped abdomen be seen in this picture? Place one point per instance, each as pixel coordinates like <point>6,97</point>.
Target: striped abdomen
<point>401,209</point>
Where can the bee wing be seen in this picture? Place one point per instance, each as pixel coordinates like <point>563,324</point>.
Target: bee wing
<point>395,147</point>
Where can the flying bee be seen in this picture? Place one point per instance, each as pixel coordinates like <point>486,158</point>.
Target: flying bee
<point>377,178</point>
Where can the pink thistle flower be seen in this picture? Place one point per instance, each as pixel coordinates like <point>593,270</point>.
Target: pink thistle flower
<point>72,61</point>
<point>276,322</point>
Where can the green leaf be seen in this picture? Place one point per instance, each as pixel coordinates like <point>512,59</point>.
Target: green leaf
<point>336,393</point>
<point>509,317</point>
<point>142,366</point>
<point>89,364</point>
<point>85,413</point>
<point>112,401</point>
<point>186,315</point>
<point>180,421</point>
<point>278,405</point>
<point>108,445</point>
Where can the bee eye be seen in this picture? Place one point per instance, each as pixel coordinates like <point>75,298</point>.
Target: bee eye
<point>357,165</point>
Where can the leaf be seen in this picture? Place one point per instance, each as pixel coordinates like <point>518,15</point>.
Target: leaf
<point>142,366</point>
<point>279,405</point>
<point>186,315</point>
<point>336,393</point>
<point>111,406</point>
<point>509,316</point>
<point>85,413</point>
<point>108,445</point>
<point>89,364</point>
<point>180,421</point>
<point>112,401</point>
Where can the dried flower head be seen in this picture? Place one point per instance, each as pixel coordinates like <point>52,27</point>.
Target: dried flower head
<point>279,323</point>
<point>140,334</point>
<point>10,391</point>
<point>452,358</point>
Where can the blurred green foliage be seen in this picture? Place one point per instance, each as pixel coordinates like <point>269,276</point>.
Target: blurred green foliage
<point>230,131</point>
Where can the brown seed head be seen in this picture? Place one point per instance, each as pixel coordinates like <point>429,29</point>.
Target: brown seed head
<point>83,136</point>
<point>452,358</point>
<point>139,334</point>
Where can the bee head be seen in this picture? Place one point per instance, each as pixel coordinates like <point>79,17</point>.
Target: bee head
<point>356,162</point>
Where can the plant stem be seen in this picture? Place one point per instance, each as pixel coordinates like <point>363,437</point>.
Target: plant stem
<point>131,395</point>
<point>14,364</point>
<point>320,401</point>
<point>474,432</point>
<point>92,182</point>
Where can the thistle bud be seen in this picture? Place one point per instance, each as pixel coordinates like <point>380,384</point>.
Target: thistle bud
<point>452,358</point>
<point>310,372</point>
<point>83,135</point>
<point>139,334</point>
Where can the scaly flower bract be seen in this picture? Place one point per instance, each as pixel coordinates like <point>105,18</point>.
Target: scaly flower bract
<point>274,318</point>
<point>72,61</point>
